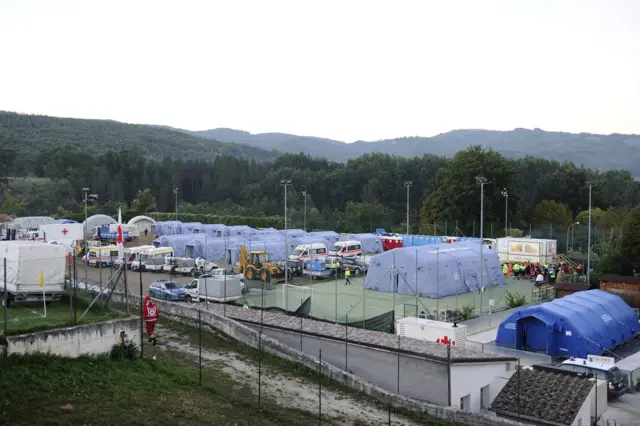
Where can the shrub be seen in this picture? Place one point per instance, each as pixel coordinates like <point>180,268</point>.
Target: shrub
<point>119,353</point>
<point>514,300</point>
<point>467,312</point>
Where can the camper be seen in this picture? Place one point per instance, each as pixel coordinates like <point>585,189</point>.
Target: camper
<point>132,254</point>
<point>103,256</point>
<point>309,251</point>
<point>346,248</point>
<point>526,250</point>
<point>162,252</point>
<point>65,234</point>
<point>28,262</point>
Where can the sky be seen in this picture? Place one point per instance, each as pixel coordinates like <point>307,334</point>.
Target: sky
<point>347,70</point>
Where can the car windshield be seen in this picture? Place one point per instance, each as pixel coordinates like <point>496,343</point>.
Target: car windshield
<point>616,374</point>
<point>171,286</point>
<point>337,248</point>
<point>297,252</point>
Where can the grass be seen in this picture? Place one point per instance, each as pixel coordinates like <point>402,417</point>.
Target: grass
<point>28,318</point>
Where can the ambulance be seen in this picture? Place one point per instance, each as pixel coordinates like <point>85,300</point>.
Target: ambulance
<point>346,248</point>
<point>309,251</point>
<point>156,252</point>
<point>103,256</point>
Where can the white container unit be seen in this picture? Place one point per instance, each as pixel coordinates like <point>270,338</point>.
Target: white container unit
<point>526,250</point>
<point>432,331</point>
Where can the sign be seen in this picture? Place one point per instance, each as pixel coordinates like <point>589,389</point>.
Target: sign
<point>601,359</point>
<point>445,341</point>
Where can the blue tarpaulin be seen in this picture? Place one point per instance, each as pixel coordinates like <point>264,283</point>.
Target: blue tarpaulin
<point>434,271</point>
<point>584,323</point>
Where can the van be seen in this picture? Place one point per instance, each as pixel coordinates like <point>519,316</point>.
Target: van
<point>603,368</point>
<point>142,257</point>
<point>309,251</point>
<point>346,248</point>
<point>102,256</point>
<point>131,255</point>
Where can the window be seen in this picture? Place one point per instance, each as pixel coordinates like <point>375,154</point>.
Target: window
<point>580,421</point>
<point>114,253</point>
<point>485,397</point>
<point>465,403</point>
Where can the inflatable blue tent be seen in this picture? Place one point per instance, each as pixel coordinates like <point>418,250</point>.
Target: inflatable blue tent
<point>371,243</point>
<point>436,270</point>
<point>584,323</point>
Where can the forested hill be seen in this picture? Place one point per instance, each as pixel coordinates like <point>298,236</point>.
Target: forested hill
<point>602,152</point>
<point>32,134</point>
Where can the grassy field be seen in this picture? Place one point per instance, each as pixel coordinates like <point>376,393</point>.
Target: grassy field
<point>26,318</point>
<point>331,299</point>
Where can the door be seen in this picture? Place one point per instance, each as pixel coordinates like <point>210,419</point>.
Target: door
<point>532,335</point>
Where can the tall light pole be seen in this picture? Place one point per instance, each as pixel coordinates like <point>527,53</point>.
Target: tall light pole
<point>285,183</point>
<point>505,194</point>
<point>408,184</point>
<point>304,226</point>
<point>569,229</point>
<point>175,193</point>
<point>591,184</point>
<point>482,181</point>
<point>85,199</point>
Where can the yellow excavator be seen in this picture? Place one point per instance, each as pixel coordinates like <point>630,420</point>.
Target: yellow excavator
<point>256,266</point>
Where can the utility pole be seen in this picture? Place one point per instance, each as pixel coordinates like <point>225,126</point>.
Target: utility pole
<point>85,193</point>
<point>175,193</point>
<point>285,183</point>
<point>505,194</point>
<point>482,181</point>
<point>408,184</point>
<point>570,229</point>
<point>304,226</point>
<point>591,184</point>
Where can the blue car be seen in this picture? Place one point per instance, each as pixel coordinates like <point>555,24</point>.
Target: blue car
<point>166,290</point>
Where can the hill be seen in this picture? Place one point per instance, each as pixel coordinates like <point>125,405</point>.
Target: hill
<point>30,134</point>
<point>602,152</point>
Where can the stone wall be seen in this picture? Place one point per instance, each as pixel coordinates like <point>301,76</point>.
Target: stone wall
<point>95,338</point>
<point>242,333</point>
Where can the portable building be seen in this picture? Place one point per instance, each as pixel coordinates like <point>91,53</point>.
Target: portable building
<point>371,243</point>
<point>580,324</point>
<point>526,250</point>
<point>434,271</point>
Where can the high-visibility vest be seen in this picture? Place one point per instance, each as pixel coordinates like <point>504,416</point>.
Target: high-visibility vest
<point>347,273</point>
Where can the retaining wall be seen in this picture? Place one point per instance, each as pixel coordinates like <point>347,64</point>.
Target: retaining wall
<point>95,338</point>
<point>251,337</point>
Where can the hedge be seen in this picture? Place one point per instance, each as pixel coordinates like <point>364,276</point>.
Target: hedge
<point>252,221</point>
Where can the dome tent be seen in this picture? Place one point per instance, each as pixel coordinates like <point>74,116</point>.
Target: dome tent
<point>584,323</point>
<point>438,270</point>
<point>95,221</point>
<point>371,243</point>
<point>143,223</point>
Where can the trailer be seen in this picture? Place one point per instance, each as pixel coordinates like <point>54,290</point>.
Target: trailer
<point>526,250</point>
<point>28,262</point>
<point>225,287</point>
<point>65,234</point>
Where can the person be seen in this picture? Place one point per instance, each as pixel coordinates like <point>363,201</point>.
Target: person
<point>539,279</point>
<point>516,271</point>
<point>347,276</point>
<point>505,270</point>
<point>146,232</point>
<point>151,316</point>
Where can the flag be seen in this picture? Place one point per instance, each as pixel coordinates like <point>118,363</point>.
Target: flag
<point>41,279</point>
<point>119,239</point>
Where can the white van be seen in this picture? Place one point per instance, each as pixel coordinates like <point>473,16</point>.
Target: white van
<point>103,256</point>
<point>132,255</point>
<point>141,258</point>
<point>309,251</point>
<point>346,248</point>
<point>603,368</point>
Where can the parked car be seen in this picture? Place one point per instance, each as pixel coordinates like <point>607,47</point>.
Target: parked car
<point>356,264</point>
<point>603,368</point>
<point>166,290</point>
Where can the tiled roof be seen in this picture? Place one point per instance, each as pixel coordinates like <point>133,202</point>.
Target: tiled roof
<point>544,396</point>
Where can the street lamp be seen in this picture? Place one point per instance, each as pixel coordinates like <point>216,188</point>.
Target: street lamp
<point>505,194</point>
<point>571,229</point>
<point>304,226</point>
<point>175,193</point>
<point>86,197</point>
<point>591,184</point>
<point>285,183</point>
<point>408,184</point>
<point>482,181</point>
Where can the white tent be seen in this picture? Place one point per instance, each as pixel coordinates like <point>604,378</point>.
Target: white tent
<point>143,223</point>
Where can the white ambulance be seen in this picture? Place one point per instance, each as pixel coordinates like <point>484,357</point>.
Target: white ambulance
<point>309,251</point>
<point>346,249</point>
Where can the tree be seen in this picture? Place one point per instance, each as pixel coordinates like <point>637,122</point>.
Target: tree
<point>597,214</point>
<point>630,241</point>
<point>11,205</point>
<point>144,202</point>
<point>552,212</point>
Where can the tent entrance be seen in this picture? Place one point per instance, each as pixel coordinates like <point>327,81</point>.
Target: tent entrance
<point>531,335</point>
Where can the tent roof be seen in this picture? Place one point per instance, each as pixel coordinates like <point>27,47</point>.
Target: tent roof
<point>141,218</point>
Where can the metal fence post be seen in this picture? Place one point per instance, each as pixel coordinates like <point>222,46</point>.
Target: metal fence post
<point>346,343</point>
<point>200,342</point>
<point>301,328</point>
<point>71,284</point>
<point>75,284</point>
<point>259,369</point>
<point>5,299</point>
<point>449,373</point>
<point>141,313</point>
<point>320,389</point>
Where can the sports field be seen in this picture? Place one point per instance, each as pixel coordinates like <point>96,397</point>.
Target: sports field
<point>334,301</point>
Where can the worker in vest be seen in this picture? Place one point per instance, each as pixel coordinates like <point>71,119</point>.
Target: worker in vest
<point>245,306</point>
<point>516,271</point>
<point>347,276</point>
<point>552,275</point>
<point>505,270</point>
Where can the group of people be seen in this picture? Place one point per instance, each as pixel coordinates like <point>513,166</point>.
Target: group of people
<point>539,273</point>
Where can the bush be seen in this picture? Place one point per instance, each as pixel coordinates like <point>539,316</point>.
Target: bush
<point>467,312</point>
<point>252,221</point>
<point>118,351</point>
<point>514,300</point>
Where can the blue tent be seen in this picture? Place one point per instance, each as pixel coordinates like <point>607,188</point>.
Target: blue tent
<point>436,270</point>
<point>371,243</point>
<point>331,236</point>
<point>584,323</point>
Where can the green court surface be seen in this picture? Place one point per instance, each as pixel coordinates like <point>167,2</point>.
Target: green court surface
<point>334,301</point>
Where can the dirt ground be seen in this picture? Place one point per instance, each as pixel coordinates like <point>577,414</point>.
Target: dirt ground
<point>288,390</point>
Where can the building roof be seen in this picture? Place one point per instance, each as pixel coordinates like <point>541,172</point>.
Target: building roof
<point>619,279</point>
<point>572,286</point>
<point>543,396</point>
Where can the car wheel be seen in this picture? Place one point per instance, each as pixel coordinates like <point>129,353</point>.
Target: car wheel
<point>188,299</point>
<point>357,271</point>
<point>193,273</point>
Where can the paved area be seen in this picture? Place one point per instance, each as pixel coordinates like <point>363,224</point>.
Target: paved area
<point>625,411</point>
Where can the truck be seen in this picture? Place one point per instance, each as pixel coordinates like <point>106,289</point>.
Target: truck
<point>526,250</point>
<point>215,288</point>
<point>187,266</point>
<point>27,262</point>
<point>109,233</point>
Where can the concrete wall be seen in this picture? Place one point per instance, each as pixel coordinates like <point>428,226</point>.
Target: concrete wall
<point>72,342</point>
<point>246,335</point>
<point>583,418</point>
<point>419,378</point>
<point>469,379</point>
<point>487,322</point>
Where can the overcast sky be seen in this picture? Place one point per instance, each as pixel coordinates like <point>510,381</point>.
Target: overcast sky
<point>345,70</point>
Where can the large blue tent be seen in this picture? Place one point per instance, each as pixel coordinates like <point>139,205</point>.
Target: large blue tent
<point>584,323</point>
<point>435,271</point>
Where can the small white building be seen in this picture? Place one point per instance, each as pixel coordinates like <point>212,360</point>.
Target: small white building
<point>526,250</point>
